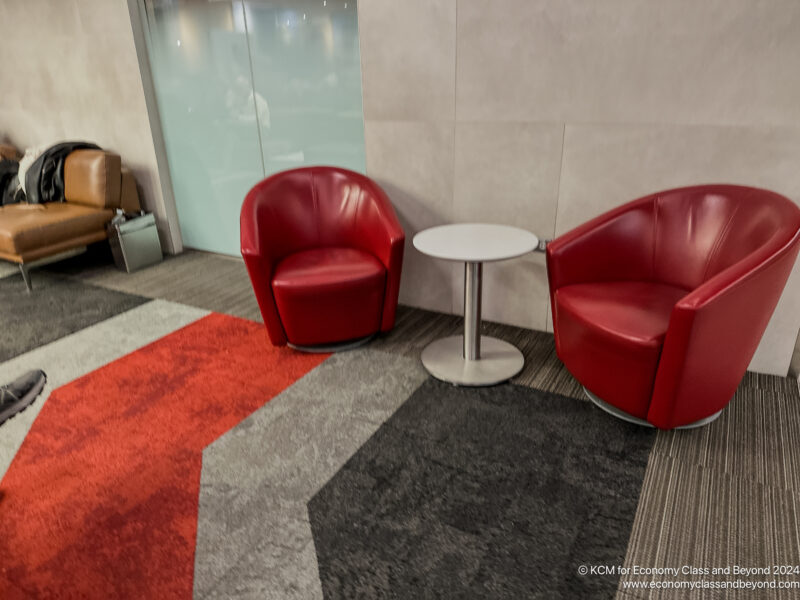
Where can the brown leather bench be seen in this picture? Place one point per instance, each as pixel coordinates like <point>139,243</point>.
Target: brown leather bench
<point>95,184</point>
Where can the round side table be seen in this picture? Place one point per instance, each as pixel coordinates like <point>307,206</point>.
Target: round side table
<point>471,359</point>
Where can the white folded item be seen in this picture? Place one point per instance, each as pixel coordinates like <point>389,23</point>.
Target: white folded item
<point>31,154</point>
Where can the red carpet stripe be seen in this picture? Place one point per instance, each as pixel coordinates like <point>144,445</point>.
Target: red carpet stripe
<point>101,499</point>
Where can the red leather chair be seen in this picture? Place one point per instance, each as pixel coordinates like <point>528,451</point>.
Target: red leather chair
<point>659,305</point>
<point>324,251</point>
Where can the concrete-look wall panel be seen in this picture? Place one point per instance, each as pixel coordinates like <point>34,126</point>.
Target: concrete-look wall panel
<point>794,368</point>
<point>774,353</point>
<point>508,173</point>
<point>408,59</point>
<point>646,95</point>
<point>413,162</point>
<point>607,165</point>
<point>710,62</point>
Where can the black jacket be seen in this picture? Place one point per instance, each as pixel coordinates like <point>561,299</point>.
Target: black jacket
<point>44,181</point>
<point>8,181</point>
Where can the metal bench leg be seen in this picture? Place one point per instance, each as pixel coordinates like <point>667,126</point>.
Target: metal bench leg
<point>26,276</point>
<point>25,268</point>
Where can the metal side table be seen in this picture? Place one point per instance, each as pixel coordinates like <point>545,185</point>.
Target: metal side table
<point>471,359</point>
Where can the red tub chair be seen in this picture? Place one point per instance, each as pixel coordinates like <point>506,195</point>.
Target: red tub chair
<point>659,305</point>
<point>324,250</point>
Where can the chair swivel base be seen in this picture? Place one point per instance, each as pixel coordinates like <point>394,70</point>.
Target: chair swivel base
<point>621,414</point>
<point>333,347</point>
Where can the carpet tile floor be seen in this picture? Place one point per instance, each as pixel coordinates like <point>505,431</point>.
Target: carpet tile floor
<point>310,488</point>
<point>254,534</point>
<point>81,352</point>
<point>101,498</point>
<point>483,493</point>
<point>31,320</point>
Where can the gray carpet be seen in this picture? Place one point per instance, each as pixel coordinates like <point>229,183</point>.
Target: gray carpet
<point>727,493</point>
<point>57,307</point>
<point>221,284</point>
<point>207,281</point>
<point>495,492</point>
<point>254,540</point>
<point>416,328</point>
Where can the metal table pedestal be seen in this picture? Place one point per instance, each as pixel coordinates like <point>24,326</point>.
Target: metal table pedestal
<point>471,359</point>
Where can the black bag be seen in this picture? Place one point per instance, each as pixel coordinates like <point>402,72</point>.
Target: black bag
<point>44,181</point>
<point>9,183</point>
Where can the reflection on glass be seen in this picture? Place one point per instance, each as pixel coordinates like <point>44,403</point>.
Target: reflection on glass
<point>246,89</point>
<point>307,69</point>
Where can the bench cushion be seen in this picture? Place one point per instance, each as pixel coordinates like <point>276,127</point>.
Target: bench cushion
<point>27,227</point>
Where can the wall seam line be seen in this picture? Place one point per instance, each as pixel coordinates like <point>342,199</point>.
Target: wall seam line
<point>454,294</point>
<point>560,176</point>
<point>548,313</point>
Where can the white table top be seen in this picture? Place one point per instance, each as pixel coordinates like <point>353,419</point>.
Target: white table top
<point>475,242</point>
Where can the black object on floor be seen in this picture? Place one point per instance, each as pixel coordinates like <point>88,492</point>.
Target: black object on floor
<point>500,492</point>
<point>19,394</point>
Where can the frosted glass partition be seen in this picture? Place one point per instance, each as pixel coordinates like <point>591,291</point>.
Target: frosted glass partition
<point>307,76</point>
<point>246,89</point>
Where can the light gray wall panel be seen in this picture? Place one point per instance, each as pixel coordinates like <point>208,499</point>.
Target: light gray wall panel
<point>682,61</point>
<point>645,94</point>
<point>413,162</point>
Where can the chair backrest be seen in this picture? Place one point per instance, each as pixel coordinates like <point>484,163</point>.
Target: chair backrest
<point>699,231</point>
<point>311,207</point>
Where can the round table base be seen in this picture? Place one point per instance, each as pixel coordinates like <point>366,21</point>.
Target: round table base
<point>499,361</point>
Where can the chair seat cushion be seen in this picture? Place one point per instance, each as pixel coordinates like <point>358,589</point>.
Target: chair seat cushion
<point>25,227</point>
<point>610,336</point>
<point>329,294</point>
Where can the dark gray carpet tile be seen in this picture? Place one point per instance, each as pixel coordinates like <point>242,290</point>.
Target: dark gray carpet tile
<point>498,492</point>
<point>697,516</point>
<point>199,279</point>
<point>253,535</point>
<point>757,438</point>
<point>57,307</point>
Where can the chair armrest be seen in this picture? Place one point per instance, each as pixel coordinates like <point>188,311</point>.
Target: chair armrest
<point>617,245</point>
<point>260,266</point>
<point>381,234</point>
<point>378,228</point>
<point>712,336</point>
